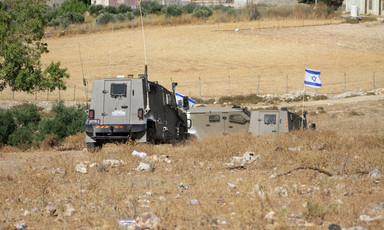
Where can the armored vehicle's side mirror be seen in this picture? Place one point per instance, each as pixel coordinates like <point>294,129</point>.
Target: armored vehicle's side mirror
<point>185,102</point>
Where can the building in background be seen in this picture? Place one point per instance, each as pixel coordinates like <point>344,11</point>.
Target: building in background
<point>131,3</point>
<point>374,7</point>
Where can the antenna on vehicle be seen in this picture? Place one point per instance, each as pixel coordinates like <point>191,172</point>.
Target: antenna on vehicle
<point>84,81</point>
<point>110,54</point>
<point>147,109</point>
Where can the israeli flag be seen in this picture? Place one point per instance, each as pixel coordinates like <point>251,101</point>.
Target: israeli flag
<point>179,100</point>
<point>312,78</point>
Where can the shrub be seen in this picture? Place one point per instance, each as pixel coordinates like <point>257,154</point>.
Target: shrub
<point>105,18</point>
<point>172,11</point>
<point>111,9</point>
<point>189,8</point>
<point>96,9</point>
<point>49,141</point>
<point>127,16</point>
<point>152,7</point>
<point>72,6</point>
<point>50,13</point>
<point>67,121</point>
<point>202,12</point>
<point>7,125</point>
<point>136,12</point>
<point>73,17</point>
<point>22,137</point>
<point>122,8</point>
<point>121,17</point>
<point>26,114</point>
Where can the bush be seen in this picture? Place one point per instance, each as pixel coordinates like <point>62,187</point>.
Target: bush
<point>50,13</point>
<point>172,11</point>
<point>136,12</point>
<point>26,114</point>
<point>189,8</point>
<point>126,16</point>
<point>72,6</point>
<point>96,9</point>
<point>152,7</point>
<point>202,12</point>
<point>110,9</point>
<point>22,137</point>
<point>105,18</point>
<point>7,125</point>
<point>67,121</point>
<point>122,8</point>
<point>73,17</point>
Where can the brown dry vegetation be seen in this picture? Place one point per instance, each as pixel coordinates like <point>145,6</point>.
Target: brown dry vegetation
<point>30,189</point>
<point>272,49</point>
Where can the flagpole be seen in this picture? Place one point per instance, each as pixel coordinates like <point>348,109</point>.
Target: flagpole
<point>302,113</point>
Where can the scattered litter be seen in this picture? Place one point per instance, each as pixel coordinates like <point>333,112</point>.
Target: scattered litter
<point>236,30</point>
<point>231,185</point>
<point>21,226</point>
<point>58,170</point>
<point>182,187</point>
<point>81,168</point>
<point>93,165</point>
<point>139,154</point>
<point>247,158</point>
<point>126,222</point>
<point>298,149</point>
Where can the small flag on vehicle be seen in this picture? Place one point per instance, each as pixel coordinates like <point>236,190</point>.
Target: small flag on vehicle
<point>312,78</point>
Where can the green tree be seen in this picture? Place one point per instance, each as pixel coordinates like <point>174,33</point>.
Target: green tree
<point>21,30</point>
<point>331,3</point>
<point>74,6</point>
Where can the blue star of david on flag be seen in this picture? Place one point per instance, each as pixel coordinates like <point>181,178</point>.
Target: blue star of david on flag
<point>312,78</point>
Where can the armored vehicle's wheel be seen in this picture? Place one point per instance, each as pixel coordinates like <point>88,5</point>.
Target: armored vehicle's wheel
<point>182,133</point>
<point>151,135</point>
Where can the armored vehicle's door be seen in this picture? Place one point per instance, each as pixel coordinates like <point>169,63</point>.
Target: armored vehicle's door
<point>116,102</point>
<point>268,122</point>
<point>237,123</point>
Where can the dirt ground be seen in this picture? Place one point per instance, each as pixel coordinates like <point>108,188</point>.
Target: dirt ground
<point>44,191</point>
<point>229,58</point>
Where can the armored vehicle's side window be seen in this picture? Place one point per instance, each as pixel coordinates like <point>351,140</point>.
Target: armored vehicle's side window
<point>214,118</point>
<point>270,119</point>
<point>237,118</point>
<point>118,90</point>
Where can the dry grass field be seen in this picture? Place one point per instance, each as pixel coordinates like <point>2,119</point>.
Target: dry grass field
<point>43,189</point>
<point>272,49</point>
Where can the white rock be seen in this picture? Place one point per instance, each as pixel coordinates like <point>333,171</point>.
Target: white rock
<point>376,173</point>
<point>113,163</point>
<point>270,217</point>
<point>142,166</point>
<point>81,168</point>
<point>69,210</point>
<point>281,191</point>
<point>93,165</point>
<point>367,218</point>
<point>194,202</point>
<point>139,154</point>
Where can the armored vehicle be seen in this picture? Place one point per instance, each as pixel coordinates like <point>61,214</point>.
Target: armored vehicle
<point>133,108</point>
<point>275,121</point>
<point>211,121</point>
